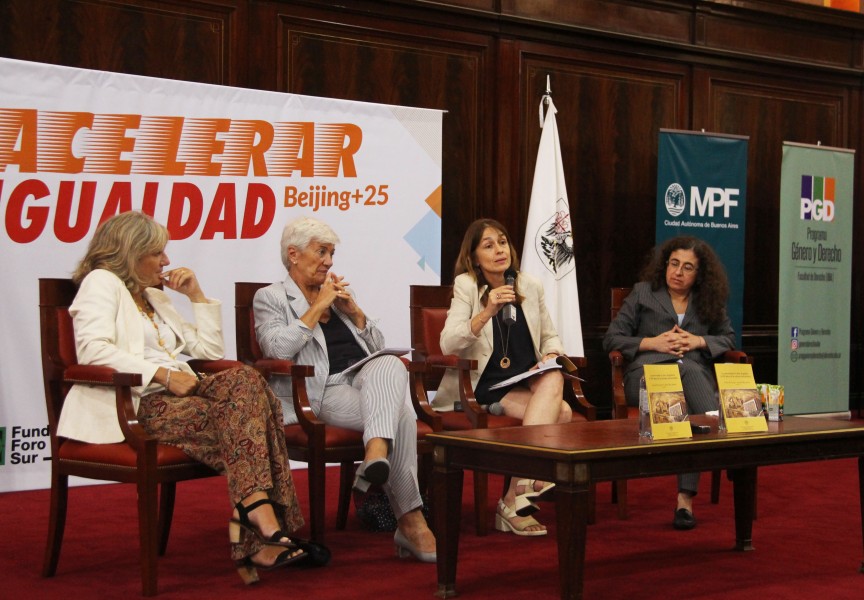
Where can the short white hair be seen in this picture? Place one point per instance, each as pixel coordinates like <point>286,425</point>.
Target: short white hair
<point>301,232</point>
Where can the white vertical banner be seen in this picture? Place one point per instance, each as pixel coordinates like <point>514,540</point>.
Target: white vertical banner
<point>224,169</point>
<point>548,250</point>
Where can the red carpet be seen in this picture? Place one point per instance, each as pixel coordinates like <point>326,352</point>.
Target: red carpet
<point>807,537</point>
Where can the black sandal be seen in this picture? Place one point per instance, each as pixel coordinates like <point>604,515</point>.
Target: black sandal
<point>248,568</point>
<point>243,522</point>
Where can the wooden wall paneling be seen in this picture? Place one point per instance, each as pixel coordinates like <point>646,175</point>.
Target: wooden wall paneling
<point>661,20</point>
<point>738,28</point>
<point>160,38</point>
<point>743,31</point>
<point>375,60</point>
<point>508,203</point>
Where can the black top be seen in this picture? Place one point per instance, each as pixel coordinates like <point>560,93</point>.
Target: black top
<point>520,351</point>
<point>342,348</point>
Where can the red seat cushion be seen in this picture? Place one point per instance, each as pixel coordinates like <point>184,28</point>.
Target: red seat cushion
<point>333,437</point>
<point>422,429</point>
<point>119,454</point>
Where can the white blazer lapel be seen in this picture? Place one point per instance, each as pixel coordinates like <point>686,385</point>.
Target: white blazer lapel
<point>486,331</point>
<point>129,325</point>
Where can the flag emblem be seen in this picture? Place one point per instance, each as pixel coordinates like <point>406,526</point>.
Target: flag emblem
<point>554,242</point>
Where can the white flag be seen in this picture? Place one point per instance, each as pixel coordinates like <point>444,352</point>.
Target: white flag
<point>548,251</point>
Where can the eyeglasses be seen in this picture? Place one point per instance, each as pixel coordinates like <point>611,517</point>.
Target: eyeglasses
<point>676,264</point>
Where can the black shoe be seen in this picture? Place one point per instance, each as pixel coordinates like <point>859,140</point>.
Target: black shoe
<point>684,519</point>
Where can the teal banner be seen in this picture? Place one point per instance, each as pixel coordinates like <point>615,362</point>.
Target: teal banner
<point>815,278</point>
<point>702,192</point>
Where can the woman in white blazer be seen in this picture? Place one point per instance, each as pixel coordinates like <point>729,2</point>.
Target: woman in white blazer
<point>476,328</point>
<point>230,421</point>
<point>313,318</point>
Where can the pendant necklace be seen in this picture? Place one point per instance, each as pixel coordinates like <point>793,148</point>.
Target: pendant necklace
<point>505,343</point>
<point>148,311</point>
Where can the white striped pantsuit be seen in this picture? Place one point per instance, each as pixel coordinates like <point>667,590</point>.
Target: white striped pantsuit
<point>375,400</point>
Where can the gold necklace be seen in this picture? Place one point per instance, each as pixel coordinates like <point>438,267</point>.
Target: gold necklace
<point>505,343</point>
<point>146,309</point>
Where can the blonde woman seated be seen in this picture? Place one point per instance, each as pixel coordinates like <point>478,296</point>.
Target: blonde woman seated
<point>230,421</point>
<point>475,329</point>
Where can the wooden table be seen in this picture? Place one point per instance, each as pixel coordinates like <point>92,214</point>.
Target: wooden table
<point>577,455</point>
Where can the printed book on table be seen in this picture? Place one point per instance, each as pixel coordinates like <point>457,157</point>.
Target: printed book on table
<point>740,403</point>
<point>670,418</point>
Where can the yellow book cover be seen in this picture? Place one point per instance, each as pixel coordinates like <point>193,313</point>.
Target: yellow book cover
<point>669,416</point>
<point>740,403</point>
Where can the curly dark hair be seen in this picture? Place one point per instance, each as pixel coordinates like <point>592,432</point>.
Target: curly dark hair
<point>711,288</point>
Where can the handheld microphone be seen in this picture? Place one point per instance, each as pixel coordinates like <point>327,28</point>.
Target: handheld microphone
<point>509,310</point>
<point>495,409</point>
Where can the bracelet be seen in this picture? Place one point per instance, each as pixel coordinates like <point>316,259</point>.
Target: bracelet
<point>168,380</point>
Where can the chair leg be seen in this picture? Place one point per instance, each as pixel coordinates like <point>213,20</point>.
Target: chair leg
<point>481,492</point>
<point>148,521</point>
<point>715,486</point>
<point>346,482</point>
<point>316,470</point>
<point>56,523</point>
<point>167,493</point>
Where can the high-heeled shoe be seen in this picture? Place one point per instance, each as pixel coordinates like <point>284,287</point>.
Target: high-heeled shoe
<point>524,507</point>
<point>373,472</point>
<point>404,549</point>
<point>243,523</point>
<point>504,522</point>
<point>545,493</point>
<point>248,568</point>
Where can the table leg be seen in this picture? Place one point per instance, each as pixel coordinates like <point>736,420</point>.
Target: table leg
<point>447,498</point>
<point>861,501</point>
<point>744,492</point>
<point>572,507</point>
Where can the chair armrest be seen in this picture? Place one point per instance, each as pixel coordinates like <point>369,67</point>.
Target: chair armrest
<point>619,401</point>
<point>737,356</point>
<point>208,367</point>
<point>127,418</point>
<point>273,366</point>
<point>283,367</point>
<point>307,418</point>
<point>573,390</point>
<point>419,398</point>
<point>476,414</point>
<point>89,375</point>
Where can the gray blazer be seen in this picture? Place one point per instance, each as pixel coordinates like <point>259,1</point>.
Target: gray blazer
<point>281,334</point>
<point>647,313</point>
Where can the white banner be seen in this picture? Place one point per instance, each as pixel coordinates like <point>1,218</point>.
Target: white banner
<point>548,249</point>
<point>224,169</point>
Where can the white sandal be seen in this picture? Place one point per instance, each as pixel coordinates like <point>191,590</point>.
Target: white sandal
<point>535,495</point>
<point>503,522</point>
<point>523,506</point>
